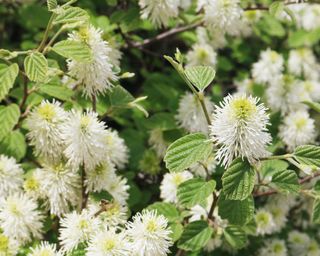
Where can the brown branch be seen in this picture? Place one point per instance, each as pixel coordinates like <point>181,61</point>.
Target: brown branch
<point>84,193</point>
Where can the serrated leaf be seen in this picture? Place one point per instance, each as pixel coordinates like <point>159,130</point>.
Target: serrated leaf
<point>316,211</point>
<point>194,191</point>
<point>7,77</point>
<point>73,50</point>
<point>235,236</point>
<point>36,67</point>
<point>313,105</point>
<point>195,236</point>
<point>56,91</point>
<point>308,154</point>
<point>52,4</point>
<point>269,167</point>
<point>167,210</point>
<point>200,76</point>
<point>177,230</point>
<point>9,117</point>
<point>236,211</point>
<point>7,55</point>
<point>71,15</point>
<point>14,144</point>
<point>276,8</point>
<point>119,96</point>
<point>286,180</point>
<point>238,180</point>
<point>186,151</point>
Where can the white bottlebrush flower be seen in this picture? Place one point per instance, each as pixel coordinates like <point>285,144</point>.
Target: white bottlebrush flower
<point>32,184</point>
<point>190,115</point>
<point>115,215</point>
<point>302,62</point>
<point>11,179</point>
<point>157,142</point>
<point>96,75</point>
<point>264,221</point>
<point>201,54</point>
<point>199,170</point>
<point>45,249</point>
<point>214,242</point>
<point>8,246</point>
<point>245,86</point>
<point>118,188</point>
<point>108,243</point>
<point>61,186</point>
<point>223,14</point>
<point>298,242</point>
<point>268,68</point>
<point>159,12</point>
<point>274,247</point>
<point>307,15</point>
<point>83,135</point>
<point>44,124</point>
<point>20,218</point>
<point>279,215</point>
<point>100,177</point>
<point>149,234</point>
<point>170,183</point>
<point>311,90</point>
<point>239,128</point>
<point>76,228</point>
<point>116,148</point>
<point>297,129</point>
<point>313,248</point>
<point>285,94</point>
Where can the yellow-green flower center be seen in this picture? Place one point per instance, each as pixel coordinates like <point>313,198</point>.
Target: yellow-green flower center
<point>152,226</point>
<point>202,54</point>
<point>84,123</point>
<point>47,112</point>
<point>277,248</point>
<point>243,108</point>
<point>177,179</point>
<point>83,224</point>
<point>31,184</point>
<point>109,245</point>
<point>301,123</point>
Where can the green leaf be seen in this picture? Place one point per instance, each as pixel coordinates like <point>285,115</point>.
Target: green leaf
<point>9,117</point>
<point>119,96</point>
<point>186,151</point>
<point>316,211</point>
<point>73,50</point>
<point>177,230</point>
<point>308,154</point>
<point>36,67</point>
<point>269,167</point>
<point>57,91</point>
<point>195,236</point>
<point>200,76</point>
<point>236,211</point>
<point>313,105</point>
<point>235,236</point>
<point>14,144</point>
<point>167,210</point>
<point>52,4</point>
<point>276,8</point>
<point>238,180</point>
<point>291,14</point>
<point>194,191</point>
<point>71,15</point>
<point>286,180</point>
<point>7,77</point>
<point>7,55</point>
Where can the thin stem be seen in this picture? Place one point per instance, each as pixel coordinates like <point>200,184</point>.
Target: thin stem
<point>204,108</point>
<point>84,193</point>
<point>46,48</point>
<point>94,103</point>
<point>214,203</point>
<point>280,157</point>
<point>46,33</point>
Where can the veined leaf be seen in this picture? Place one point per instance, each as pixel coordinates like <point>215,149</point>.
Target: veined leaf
<point>71,15</point>
<point>14,144</point>
<point>194,191</point>
<point>9,117</point>
<point>286,180</point>
<point>235,236</point>
<point>238,180</point>
<point>195,235</point>
<point>200,76</point>
<point>52,4</point>
<point>36,66</point>
<point>7,77</point>
<point>316,211</point>
<point>73,50</point>
<point>308,155</point>
<point>57,91</point>
<point>186,151</point>
<point>167,210</point>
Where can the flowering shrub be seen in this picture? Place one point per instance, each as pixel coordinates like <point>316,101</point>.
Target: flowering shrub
<point>115,142</point>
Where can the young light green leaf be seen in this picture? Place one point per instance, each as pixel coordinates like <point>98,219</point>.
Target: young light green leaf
<point>167,210</point>
<point>71,15</point>
<point>236,211</point>
<point>36,67</point>
<point>195,236</point>
<point>52,4</point>
<point>316,211</point>
<point>7,77</point>
<point>269,167</point>
<point>119,96</point>
<point>177,230</point>
<point>73,50</point>
<point>194,191</point>
<point>286,180</point>
<point>308,155</point>
<point>235,236</point>
<point>7,55</point>
<point>238,180</point>
<point>200,76</point>
<point>186,151</point>
<point>9,117</point>
<point>14,144</point>
<point>313,105</point>
<point>57,91</point>
<point>276,8</point>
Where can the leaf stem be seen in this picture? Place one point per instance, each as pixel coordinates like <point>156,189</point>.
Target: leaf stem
<point>46,33</point>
